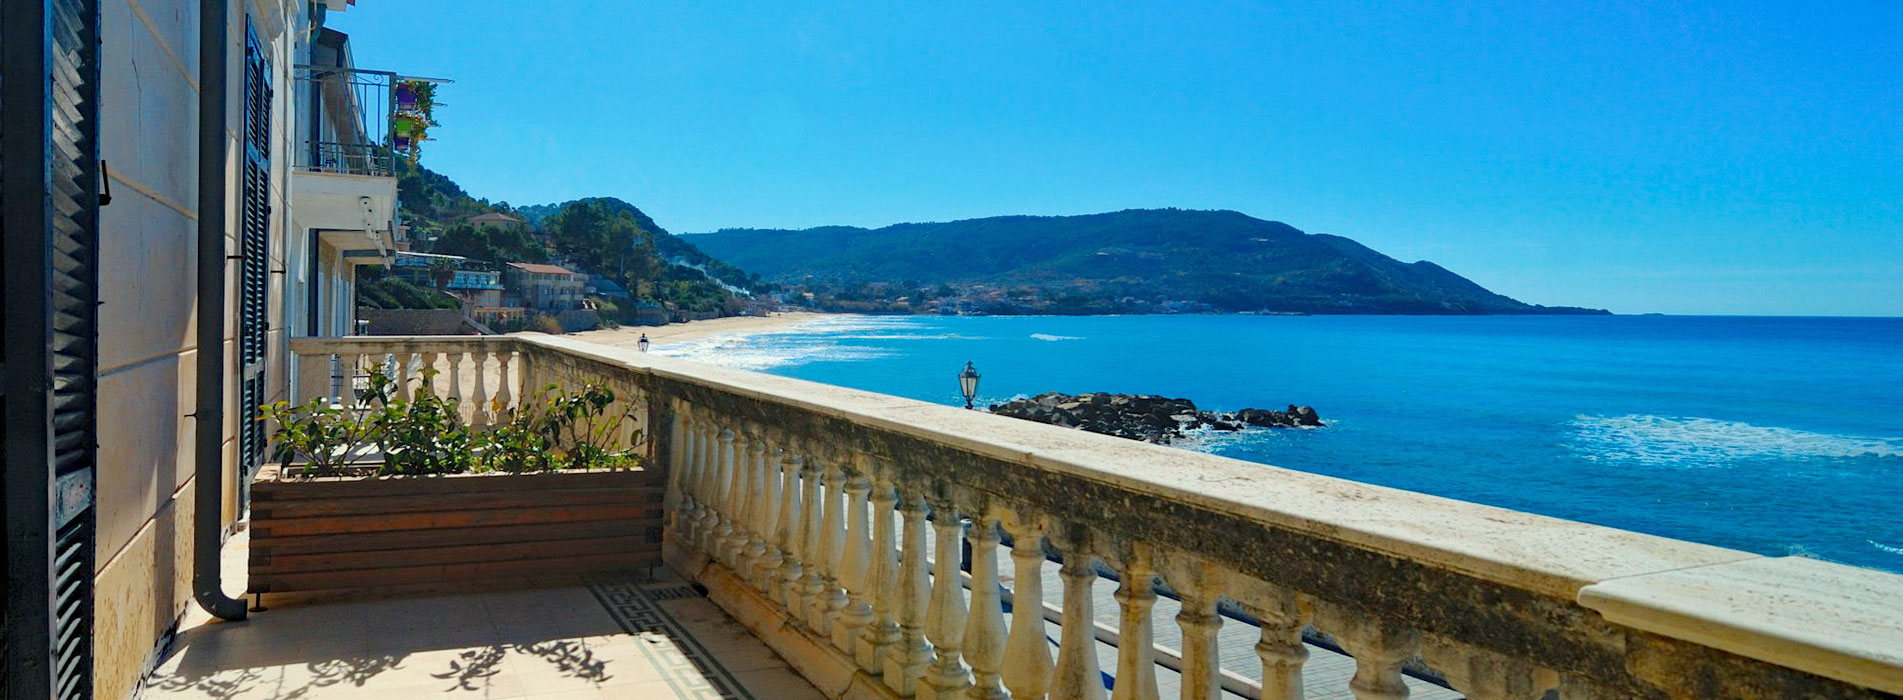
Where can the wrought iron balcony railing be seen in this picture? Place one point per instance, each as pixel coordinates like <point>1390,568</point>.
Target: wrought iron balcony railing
<point>359,122</point>
<point>348,119</point>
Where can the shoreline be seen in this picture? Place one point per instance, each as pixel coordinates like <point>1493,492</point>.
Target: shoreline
<point>680,333</point>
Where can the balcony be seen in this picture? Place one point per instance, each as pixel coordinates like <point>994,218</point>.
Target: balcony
<point>343,183</point>
<point>802,532</point>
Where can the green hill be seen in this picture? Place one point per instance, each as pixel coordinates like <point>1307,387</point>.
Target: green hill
<point>600,235</point>
<point>1133,261</point>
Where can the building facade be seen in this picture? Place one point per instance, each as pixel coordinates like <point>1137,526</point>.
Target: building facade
<point>211,199</point>
<point>543,287</point>
<point>480,288</point>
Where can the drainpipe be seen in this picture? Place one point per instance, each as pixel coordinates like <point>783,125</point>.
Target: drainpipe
<point>208,521</point>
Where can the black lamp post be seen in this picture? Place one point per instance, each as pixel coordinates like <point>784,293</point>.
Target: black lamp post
<point>968,383</point>
<point>644,342</point>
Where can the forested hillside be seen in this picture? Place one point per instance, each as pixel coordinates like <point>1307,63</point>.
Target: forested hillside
<point>1132,261</point>
<point>599,235</point>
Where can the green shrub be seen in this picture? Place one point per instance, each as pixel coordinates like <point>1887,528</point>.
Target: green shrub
<point>556,429</point>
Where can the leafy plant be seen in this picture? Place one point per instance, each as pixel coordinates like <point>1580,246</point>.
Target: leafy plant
<point>424,435</point>
<point>325,436</point>
<point>562,430</point>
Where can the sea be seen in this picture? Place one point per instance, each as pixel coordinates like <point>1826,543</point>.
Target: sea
<point>1774,435</point>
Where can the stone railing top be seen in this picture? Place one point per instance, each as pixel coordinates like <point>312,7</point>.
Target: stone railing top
<point>402,343</point>
<point>1836,621</point>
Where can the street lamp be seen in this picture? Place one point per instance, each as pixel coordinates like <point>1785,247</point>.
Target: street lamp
<point>643,343</point>
<point>968,383</point>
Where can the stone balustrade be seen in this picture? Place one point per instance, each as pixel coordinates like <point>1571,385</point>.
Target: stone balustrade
<point>865,538</point>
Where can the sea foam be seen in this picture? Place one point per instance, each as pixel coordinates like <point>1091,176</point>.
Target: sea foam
<point>797,344</point>
<point>1709,442</point>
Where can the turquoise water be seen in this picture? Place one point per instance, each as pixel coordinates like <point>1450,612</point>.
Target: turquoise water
<point>1773,435</point>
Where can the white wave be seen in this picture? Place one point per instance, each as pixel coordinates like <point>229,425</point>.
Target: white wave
<point>902,336</point>
<point>1706,442</point>
<point>1047,336</point>
<point>1885,547</point>
<point>797,344</point>
<point>847,324</point>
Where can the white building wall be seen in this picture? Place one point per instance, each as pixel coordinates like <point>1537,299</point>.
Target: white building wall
<point>150,80</point>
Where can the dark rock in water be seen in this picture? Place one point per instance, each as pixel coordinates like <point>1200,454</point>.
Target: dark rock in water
<point>1145,417</point>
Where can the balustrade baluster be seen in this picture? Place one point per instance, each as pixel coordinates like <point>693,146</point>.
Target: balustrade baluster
<point>1379,649</point>
<point>733,537</point>
<point>721,530</point>
<point>945,619</point>
<point>853,565</point>
<point>1481,674</point>
<point>983,643</point>
<point>707,524</point>
<point>1136,634</point>
<point>400,375</point>
<point>1077,674</point>
<point>455,376</point>
<point>905,663</point>
<point>690,479</point>
<point>754,549</point>
<point>481,417</point>
<point>1027,656</point>
<point>882,579</point>
<point>1281,649</point>
<point>429,376</point>
<point>792,530</point>
<point>812,545</point>
<point>1202,667</point>
<point>696,479</point>
<point>766,575</point>
<point>349,365</point>
<point>672,498</point>
<point>833,546</point>
<point>505,388</point>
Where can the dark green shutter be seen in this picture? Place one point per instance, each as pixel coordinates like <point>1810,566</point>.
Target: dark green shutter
<point>49,194</point>
<point>254,221</point>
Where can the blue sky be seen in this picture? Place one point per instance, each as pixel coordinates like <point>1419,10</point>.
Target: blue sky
<point>1721,157</point>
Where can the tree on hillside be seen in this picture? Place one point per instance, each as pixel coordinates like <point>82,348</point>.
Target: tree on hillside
<point>605,241</point>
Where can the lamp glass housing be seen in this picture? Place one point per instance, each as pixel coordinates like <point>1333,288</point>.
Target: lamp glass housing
<point>968,383</point>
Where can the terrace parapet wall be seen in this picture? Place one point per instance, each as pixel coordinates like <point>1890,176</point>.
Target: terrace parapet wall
<point>806,509</point>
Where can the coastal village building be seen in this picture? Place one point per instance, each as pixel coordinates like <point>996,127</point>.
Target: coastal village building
<point>478,288</point>
<point>494,219</point>
<point>188,189</point>
<point>544,287</point>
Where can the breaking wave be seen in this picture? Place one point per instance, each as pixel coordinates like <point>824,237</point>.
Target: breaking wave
<point>1708,442</point>
<point>802,343</point>
<point>1047,336</point>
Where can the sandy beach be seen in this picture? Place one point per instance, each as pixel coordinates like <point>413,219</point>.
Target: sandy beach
<point>663,336</point>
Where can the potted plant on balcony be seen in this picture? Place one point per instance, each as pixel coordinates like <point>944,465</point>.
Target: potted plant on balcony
<point>394,492</point>
<point>415,112</point>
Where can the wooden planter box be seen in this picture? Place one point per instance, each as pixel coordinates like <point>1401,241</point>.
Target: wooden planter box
<point>373,531</point>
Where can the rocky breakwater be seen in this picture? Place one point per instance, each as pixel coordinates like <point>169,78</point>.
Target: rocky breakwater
<point>1155,419</point>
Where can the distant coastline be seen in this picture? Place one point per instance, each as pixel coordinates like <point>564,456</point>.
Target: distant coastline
<point>661,337</point>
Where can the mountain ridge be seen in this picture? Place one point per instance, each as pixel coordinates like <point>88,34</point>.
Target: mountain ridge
<point>1129,261</point>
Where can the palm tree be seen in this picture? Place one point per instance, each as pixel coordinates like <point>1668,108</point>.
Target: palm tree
<point>442,272</point>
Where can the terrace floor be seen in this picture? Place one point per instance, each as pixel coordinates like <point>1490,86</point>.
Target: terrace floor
<point>626,636</point>
<point>629,636</point>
